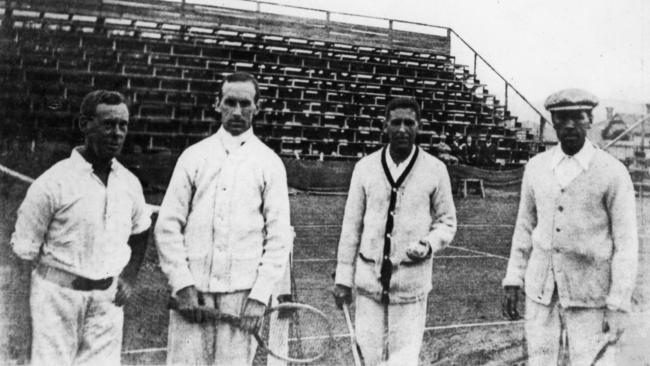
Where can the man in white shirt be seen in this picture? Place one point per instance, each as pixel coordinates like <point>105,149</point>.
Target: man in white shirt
<point>399,213</point>
<point>84,223</point>
<point>574,248</point>
<point>223,233</point>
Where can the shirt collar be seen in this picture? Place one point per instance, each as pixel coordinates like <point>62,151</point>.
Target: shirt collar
<point>392,164</point>
<point>231,142</point>
<point>583,157</point>
<point>81,163</point>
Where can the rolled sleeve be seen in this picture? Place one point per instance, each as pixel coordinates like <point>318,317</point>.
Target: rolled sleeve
<point>170,226</point>
<point>352,227</point>
<point>522,238</point>
<point>443,212</point>
<point>278,241</point>
<point>34,216</point>
<point>141,215</point>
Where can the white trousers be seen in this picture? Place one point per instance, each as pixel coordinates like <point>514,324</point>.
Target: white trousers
<point>584,330</point>
<point>389,334</point>
<point>211,343</point>
<point>71,327</point>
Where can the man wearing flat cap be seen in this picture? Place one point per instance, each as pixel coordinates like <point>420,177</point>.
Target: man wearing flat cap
<point>574,248</point>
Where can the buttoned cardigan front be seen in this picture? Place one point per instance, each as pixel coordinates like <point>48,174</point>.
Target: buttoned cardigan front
<point>581,238</point>
<point>423,210</point>
<point>224,223</point>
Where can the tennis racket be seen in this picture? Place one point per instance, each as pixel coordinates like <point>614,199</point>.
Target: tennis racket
<point>602,349</point>
<point>356,352</point>
<point>310,331</point>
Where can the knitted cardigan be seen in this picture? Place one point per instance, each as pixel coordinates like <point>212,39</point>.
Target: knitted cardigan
<point>582,237</point>
<point>380,212</point>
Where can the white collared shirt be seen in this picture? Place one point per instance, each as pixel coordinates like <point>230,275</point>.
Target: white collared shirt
<point>566,168</point>
<point>396,170</point>
<point>232,143</point>
<point>76,223</point>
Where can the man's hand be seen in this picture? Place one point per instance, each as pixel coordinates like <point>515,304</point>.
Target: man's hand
<point>251,316</point>
<point>510,300</point>
<point>342,295</point>
<point>614,323</point>
<point>419,251</point>
<point>124,291</point>
<point>188,305</point>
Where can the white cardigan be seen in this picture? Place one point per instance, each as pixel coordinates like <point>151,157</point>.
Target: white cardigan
<point>582,237</point>
<point>424,210</point>
<point>224,223</point>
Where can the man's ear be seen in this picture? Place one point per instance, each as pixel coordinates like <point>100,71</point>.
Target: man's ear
<point>258,106</point>
<point>82,121</point>
<point>217,104</point>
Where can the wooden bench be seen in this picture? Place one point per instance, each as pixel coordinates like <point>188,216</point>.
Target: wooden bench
<point>463,183</point>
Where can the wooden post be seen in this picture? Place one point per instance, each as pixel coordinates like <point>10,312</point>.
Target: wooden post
<point>475,59</point>
<point>8,23</point>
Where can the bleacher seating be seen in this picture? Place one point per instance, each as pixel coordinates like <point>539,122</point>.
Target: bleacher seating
<point>320,97</point>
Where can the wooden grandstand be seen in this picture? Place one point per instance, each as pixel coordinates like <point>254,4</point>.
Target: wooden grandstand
<point>323,83</point>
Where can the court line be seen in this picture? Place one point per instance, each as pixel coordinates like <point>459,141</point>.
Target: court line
<point>478,252</point>
<point>144,350</point>
<point>16,175</point>
<point>316,226</point>
<point>434,257</point>
<point>346,335</point>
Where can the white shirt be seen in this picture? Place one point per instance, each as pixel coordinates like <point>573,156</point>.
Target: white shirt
<point>567,167</point>
<point>224,223</point>
<point>396,170</point>
<point>232,143</point>
<point>78,224</point>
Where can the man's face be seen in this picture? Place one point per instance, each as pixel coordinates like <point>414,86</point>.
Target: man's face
<point>571,129</point>
<point>106,131</point>
<point>401,128</point>
<point>237,107</point>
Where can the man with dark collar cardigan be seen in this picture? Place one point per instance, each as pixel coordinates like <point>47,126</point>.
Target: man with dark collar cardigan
<point>398,214</point>
<point>574,248</point>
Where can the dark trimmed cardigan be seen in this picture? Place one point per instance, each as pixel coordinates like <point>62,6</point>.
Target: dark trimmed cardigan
<point>382,217</point>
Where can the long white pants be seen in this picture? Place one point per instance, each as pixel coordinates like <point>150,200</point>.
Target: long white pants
<point>584,330</point>
<point>71,327</point>
<point>211,343</point>
<point>389,334</point>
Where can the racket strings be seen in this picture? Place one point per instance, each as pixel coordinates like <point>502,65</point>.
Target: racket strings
<point>298,334</point>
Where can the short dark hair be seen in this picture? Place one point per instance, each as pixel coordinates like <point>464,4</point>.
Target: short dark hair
<point>94,98</point>
<point>402,102</point>
<point>240,77</point>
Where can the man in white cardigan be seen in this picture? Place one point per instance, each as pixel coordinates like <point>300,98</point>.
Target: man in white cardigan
<point>223,234</point>
<point>574,248</point>
<point>399,213</point>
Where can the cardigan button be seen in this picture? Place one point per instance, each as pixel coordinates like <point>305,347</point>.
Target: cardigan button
<point>560,208</point>
<point>388,236</point>
<point>557,229</point>
<point>385,257</point>
<point>394,189</point>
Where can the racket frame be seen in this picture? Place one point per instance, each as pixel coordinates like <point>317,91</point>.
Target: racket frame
<point>215,315</point>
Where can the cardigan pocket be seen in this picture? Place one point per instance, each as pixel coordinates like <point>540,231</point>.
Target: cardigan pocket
<point>366,277</point>
<point>588,283</point>
<point>412,279</point>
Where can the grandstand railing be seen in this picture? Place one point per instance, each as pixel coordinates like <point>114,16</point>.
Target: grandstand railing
<point>407,35</point>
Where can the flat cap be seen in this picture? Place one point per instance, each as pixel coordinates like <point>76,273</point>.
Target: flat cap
<point>570,100</point>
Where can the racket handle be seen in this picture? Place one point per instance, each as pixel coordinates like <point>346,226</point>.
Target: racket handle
<point>353,336</point>
<point>211,313</point>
